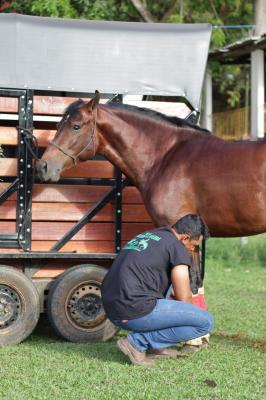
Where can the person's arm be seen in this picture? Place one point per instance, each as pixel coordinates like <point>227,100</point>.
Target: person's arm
<point>181,284</point>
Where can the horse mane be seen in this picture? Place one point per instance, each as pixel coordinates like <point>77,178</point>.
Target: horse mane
<point>179,122</point>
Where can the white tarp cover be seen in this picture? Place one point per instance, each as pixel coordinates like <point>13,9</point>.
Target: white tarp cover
<point>113,57</point>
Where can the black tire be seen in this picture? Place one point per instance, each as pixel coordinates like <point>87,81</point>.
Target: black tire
<point>75,308</point>
<point>19,306</point>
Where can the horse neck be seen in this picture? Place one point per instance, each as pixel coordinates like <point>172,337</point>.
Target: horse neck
<point>132,145</point>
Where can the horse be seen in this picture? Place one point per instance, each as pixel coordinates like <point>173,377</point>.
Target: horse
<point>178,168</point>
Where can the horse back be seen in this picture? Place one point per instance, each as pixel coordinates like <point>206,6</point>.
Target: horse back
<point>223,182</point>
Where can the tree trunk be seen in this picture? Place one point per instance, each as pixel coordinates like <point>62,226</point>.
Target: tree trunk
<point>144,12</point>
<point>5,4</point>
<point>170,11</point>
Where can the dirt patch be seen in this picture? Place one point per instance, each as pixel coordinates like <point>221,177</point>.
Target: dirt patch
<point>239,339</point>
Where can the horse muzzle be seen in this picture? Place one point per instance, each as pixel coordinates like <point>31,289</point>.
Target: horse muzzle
<point>47,172</point>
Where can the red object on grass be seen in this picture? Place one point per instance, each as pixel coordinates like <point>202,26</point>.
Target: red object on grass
<point>199,300</point>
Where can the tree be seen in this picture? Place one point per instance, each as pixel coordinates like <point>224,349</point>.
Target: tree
<point>5,5</point>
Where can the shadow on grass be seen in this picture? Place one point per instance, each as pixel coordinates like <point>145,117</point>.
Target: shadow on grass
<point>108,352</point>
<point>44,335</point>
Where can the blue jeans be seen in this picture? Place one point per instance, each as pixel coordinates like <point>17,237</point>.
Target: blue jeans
<point>168,323</point>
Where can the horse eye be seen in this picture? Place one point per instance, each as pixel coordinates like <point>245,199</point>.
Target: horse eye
<point>76,127</point>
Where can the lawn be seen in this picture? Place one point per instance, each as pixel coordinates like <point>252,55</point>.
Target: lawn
<point>232,368</point>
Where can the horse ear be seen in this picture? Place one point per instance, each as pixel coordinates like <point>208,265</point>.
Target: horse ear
<point>94,101</point>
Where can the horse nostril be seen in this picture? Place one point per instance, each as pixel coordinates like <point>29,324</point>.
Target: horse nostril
<point>41,167</point>
<point>44,165</point>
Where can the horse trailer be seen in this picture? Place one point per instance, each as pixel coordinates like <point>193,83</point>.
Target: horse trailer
<point>57,240</point>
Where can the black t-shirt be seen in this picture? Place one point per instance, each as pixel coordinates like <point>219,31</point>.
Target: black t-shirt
<point>141,273</point>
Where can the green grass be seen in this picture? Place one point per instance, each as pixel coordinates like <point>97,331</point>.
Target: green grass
<point>232,368</point>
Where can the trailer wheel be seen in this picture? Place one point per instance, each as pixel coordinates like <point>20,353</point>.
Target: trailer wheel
<point>19,306</point>
<point>75,308</point>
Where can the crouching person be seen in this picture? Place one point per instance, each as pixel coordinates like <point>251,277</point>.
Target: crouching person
<point>135,288</point>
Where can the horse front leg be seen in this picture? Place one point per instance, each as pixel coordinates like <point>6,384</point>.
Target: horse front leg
<point>198,298</point>
<point>196,279</point>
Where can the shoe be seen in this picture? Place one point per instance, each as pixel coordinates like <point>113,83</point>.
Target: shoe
<point>135,356</point>
<point>199,341</point>
<point>188,349</point>
<point>162,353</point>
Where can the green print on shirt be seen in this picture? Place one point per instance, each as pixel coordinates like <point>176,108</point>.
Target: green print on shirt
<point>141,241</point>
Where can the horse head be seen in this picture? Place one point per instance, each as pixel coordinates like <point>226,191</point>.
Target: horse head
<point>75,140</point>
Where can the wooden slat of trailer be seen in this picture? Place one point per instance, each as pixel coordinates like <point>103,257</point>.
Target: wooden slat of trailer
<point>45,105</point>
<point>7,227</point>
<point>76,194</point>
<point>67,193</point>
<point>43,136</point>
<point>80,193</point>
<point>8,136</point>
<point>52,105</point>
<point>72,246</point>
<point>8,104</point>
<point>3,187</point>
<point>63,193</point>
<point>88,169</point>
<point>8,210</point>
<point>91,169</point>
<point>131,195</point>
<point>75,211</point>
<point>8,167</point>
<point>9,250</point>
<point>92,231</point>
<point>76,246</point>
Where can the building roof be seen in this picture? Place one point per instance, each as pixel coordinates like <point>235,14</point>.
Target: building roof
<point>239,52</point>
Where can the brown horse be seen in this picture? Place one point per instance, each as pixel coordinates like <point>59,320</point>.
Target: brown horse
<point>177,167</point>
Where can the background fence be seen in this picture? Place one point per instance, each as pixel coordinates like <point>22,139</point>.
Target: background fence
<point>234,124</point>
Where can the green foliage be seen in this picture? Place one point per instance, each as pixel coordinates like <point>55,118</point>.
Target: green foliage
<point>235,251</point>
<point>231,81</point>
<point>86,9</point>
<point>218,38</point>
<point>111,10</point>
<point>46,8</point>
